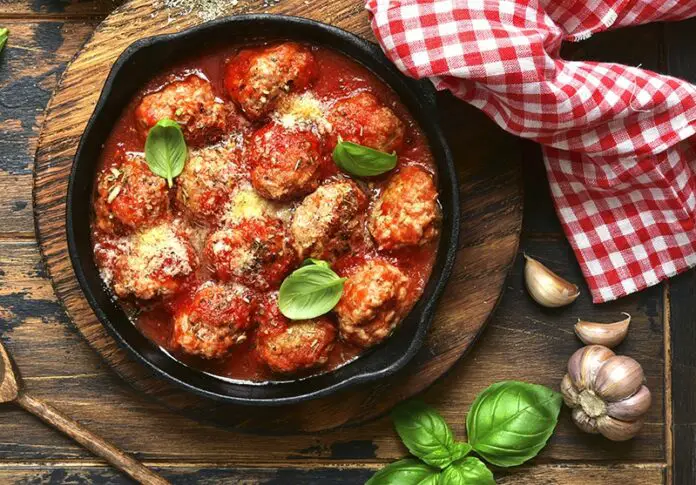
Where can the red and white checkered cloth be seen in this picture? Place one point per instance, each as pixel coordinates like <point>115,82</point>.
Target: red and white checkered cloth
<point>616,139</point>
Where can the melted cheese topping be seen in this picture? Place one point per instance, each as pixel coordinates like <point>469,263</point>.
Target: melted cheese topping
<point>246,203</point>
<point>302,112</point>
<point>159,248</point>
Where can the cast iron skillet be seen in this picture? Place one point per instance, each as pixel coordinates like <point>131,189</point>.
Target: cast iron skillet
<point>132,69</point>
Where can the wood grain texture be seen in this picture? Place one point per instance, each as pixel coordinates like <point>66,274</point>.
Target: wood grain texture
<point>490,187</point>
<point>682,300</point>
<point>94,443</point>
<point>30,65</point>
<point>541,475</point>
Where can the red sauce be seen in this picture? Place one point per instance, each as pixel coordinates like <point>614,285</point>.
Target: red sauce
<point>337,77</point>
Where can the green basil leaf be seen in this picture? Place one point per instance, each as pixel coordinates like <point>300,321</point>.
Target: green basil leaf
<point>469,471</point>
<point>317,262</point>
<point>4,33</point>
<point>427,435</point>
<point>460,450</point>
<point>510,422</point>
<point>405,472</point>
<point>362,161</point>
<point>165,150</point>
<point>309,291</point>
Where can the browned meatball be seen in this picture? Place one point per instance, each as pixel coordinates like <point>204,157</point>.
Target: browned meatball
<point>287,346</point>
<point>285,164</point>
<point>158,262</point>
<point>256,252</point>
<point>364,120</point>
<point>208,179</point>
<point>406,213</point>
<point>256,78</point>
<point>192,103</point>
<point>374,299</point>
<point>327,220</point>
<point>214,321</point>
<point>129,196</point>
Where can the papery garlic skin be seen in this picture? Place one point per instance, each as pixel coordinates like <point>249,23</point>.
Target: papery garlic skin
<point>606,392</point>
<point>546,287</point>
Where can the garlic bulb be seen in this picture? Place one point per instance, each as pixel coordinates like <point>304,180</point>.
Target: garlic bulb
<point>606,393</point>
<point>607,334</point>
<point>546,287</point>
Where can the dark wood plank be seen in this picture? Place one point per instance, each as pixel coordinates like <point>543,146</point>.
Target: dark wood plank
<point>57,9</point>
<point>30,66</point>
<point>681,59</point>
<point>542,475</point>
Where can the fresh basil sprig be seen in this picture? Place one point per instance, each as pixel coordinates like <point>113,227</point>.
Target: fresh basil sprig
<point>165,150</point>
<point>4,33</point>
<point>427,435</point>
<point>310,291</point>
<point>508,424</point>
<point>362,161</point>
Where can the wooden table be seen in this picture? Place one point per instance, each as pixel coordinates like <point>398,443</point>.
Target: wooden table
<point>523,341</point>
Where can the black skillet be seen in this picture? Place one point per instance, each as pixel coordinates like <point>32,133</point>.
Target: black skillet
<point>149,56</point>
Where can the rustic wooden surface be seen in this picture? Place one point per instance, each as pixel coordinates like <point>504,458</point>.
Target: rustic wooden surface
<point>488,164</point>
<point>522,341</point>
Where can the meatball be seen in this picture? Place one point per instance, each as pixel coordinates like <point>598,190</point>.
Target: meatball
<point>406,213</point>
<point>374,299</point>
<point>287,346</point>
<point>158,262</point>
<point>285,164</point>
<point>257,78</point>
<point>327,220</point>
<point>129,196</point>
<point>207,181</point>
<point>256,252</point>
<point>192,103</point>
<point>364,120</point>
<point>214,321</point>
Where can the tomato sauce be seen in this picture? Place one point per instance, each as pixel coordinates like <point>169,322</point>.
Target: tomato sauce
<point>338,77</point>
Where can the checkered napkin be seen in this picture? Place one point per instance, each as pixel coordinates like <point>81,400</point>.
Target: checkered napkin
<point>616,139</point>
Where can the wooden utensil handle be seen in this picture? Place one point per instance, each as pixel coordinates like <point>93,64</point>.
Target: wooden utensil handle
<point>89,440</point>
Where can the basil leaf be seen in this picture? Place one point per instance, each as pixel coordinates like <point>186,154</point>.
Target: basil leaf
<point>309,292</point>
<point>510,421</point>
<point>4,33</point>
<point>165,149</point>
<point>317,262</point>
<point>362,161</point>
<point>405,472</point>
<point>469,471</point>
<point>427,435</point>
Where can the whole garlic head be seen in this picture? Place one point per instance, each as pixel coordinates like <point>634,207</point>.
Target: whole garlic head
<point>606,393</point>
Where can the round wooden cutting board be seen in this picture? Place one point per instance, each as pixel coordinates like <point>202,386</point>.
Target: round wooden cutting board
<point>489,174</point>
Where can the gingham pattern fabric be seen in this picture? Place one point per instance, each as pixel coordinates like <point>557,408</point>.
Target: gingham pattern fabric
<point>616,139</point>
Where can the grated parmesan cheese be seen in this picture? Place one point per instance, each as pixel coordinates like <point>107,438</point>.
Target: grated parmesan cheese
<point>246,203</point>
<point>304,112</point>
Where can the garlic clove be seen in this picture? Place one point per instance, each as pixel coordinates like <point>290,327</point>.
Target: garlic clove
<point>617,430</point>
<point>631,408</point>
<point>570,394</point>
<point>607,334</point>
<point>584,364</point>
<point>618,378</point>
<point>546,287</point>
<point>584,422</point>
